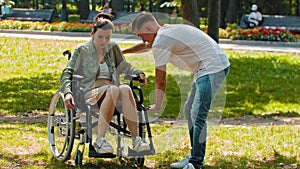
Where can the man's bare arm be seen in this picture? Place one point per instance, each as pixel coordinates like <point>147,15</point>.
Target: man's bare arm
<point>138,48</point>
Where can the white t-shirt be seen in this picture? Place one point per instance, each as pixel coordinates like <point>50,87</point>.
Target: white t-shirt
<point>255,15</point>
<point>188,48</point>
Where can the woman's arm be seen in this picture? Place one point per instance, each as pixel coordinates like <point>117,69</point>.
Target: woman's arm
<point>66,80</point>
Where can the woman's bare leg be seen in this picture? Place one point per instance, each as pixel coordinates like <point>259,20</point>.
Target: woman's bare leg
<point>129,109</point>
<point>107,109</point>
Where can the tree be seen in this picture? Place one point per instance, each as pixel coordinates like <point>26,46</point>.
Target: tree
<point>231,14</point>
<point>224,11</point>
<point>214,19</point>
<point>93,5</point>
<point>64,11</point>
<point>84,9</point>
<point>35,4</point>
<point>117,5</point>
<point>26,3</point>
<point>190,12</point>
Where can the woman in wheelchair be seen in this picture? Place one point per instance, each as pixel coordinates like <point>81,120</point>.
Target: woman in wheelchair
<point>100,62</point>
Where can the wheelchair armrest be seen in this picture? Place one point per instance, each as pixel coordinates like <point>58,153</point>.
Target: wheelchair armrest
<point>77,77</point>
<point>132,77</point>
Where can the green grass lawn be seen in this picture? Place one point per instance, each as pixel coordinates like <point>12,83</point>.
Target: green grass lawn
<point>259,83</point>
<point>251,147</point>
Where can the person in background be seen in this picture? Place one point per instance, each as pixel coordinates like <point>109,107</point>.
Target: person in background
<point>101,62</point>
<point>188,48</point>
<point>255,17</point>
<point>4,10</point>
<point>106,8</point>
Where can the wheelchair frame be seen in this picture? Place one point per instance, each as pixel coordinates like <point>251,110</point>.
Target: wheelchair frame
<point>63,126</point>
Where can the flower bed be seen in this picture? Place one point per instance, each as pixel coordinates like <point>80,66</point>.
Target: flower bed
<point>231,32</point>
<point>260,33</point>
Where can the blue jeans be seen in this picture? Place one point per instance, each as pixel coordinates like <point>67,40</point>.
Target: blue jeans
<point>196,109</point>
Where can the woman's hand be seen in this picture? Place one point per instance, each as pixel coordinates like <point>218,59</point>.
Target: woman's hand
<point>143,79</point>
<point>69,101</point>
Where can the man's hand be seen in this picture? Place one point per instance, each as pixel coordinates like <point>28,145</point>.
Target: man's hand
<point>69,101</point>
<point>143,79</point>
<point>155,108</point>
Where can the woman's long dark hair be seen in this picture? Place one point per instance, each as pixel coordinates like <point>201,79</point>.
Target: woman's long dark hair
<point>102,24</point>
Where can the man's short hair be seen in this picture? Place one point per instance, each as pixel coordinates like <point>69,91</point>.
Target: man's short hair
<point>140,19</point>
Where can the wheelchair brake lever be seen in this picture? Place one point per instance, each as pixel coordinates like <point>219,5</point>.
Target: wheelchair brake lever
<point>67,52</point>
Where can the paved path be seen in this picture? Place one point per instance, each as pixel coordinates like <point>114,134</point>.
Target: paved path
<point>120,38</point>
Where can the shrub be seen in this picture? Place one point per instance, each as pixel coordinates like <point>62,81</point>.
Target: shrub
<point>232,31</point>
<point>261,33</point>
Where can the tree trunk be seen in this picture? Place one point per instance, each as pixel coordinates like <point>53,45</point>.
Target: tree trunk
<point>231,14</point>
<point>224,11</point>
<point>26,4</point>
<point>64,12</point>
<point>298,8</point>
<point>214,19</point>
<point>36,4</point>
<point>93,5</point>
<point>190,12</point>
<point>150,6</point>
<point>84,9</point>
<point>117,5</point>
<point>78,6</point>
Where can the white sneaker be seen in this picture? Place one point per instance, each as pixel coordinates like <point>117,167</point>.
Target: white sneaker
<point>181,163</point>
<point>139,145</point>
<point>189,166</point>
<point>102,146</point>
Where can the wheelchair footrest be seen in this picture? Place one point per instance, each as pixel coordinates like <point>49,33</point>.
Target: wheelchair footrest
<point>93,153</point>
<point>132,153</point>
<point>96,155</point>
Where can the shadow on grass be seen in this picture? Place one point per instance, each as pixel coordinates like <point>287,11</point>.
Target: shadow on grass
<point>92,163</point>
<point>267,84</point>
<point>233,162</point>
<point>26,95</point>
<point>254,84</point>
<point>17,161</point>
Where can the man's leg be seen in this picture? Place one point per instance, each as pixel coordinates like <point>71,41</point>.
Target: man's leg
<point>187,111</point>
<point>200,108</point>
<point>206,89</point>
<point>187,114</point>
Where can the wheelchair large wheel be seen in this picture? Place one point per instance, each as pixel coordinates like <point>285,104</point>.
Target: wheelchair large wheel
<point>61,128</point>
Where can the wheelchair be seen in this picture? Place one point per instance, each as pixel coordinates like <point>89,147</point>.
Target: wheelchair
<point>64,126</point>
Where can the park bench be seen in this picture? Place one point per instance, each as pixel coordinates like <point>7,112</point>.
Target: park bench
<point>291,23</point>
<point>41,15</point>
<point>90,18</point>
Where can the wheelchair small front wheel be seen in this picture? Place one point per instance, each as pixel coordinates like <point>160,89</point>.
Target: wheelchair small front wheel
<point>78,158</point>
<point>61,128</point>
<point>140,161</point>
